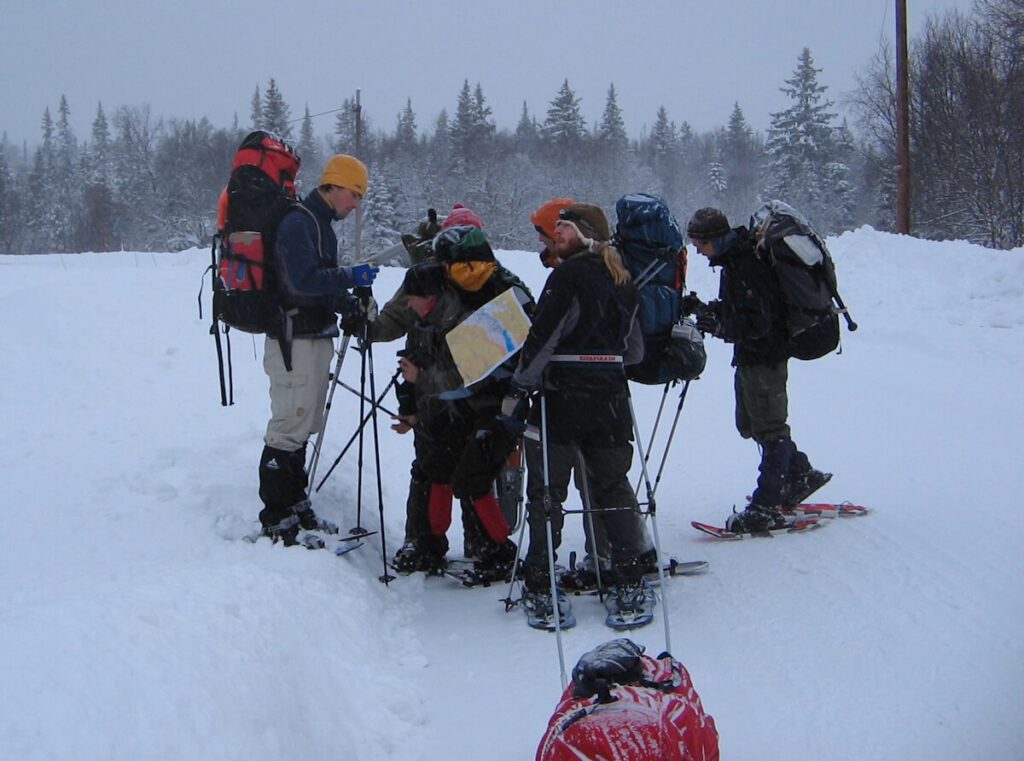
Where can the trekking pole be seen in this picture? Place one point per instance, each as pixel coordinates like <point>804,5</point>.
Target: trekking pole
<point>551,536</point>
<point>671,436</point>
<point>355,392</point>
<point>654,431</point>
<point>365,295</point>
<point>355,434</point>
<point>214,327</point>
<point>509,603</point>
<point>588,516</point>
<point>318,447</point>
<point>364,344</point>
<point>652,511</point>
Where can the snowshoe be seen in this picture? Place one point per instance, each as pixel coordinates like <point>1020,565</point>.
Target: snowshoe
<point>540,613</point>
<point>630,605</point>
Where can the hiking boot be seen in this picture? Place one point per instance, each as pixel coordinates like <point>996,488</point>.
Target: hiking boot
<point>802,486</point>
<point>309,520</point>
<point>432,551</point>
<point>632,597</point>
<point>407,559</point>
<point>583,576</point>
<point>755,518</point>
<point>496,562</point>
<point>649,562</point>
<point>541,613</point>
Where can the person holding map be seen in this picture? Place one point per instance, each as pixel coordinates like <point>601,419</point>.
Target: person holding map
<point>466,413</point>
<point>459,449</point>
<point>584,331</point>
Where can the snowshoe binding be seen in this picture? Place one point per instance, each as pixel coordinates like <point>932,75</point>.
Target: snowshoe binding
<point>630,605</point>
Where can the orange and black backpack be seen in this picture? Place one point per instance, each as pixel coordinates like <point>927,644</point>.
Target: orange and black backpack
<point>260,191</point>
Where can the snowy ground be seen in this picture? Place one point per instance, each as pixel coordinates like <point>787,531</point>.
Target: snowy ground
<point>134,626</point>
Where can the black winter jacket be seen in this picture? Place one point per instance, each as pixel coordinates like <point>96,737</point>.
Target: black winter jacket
<point>581,313</point>
<point>751,309</point>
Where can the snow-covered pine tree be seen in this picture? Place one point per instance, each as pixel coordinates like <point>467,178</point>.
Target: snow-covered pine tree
<point>276,114</point>
<point>380,211</point>
<point>66,176</point>
<point>741,154</point>
<point>310,153</point>
<point>405,131</point>
<point>345,131</point>
<point>256,109</point>
<point>565,130</point>
<point>472,130</point>
<point>96,226</point>
<point>661,152</point>
<point>527,134</point>
<point>135,177</point>
<point>8,218</point>
<point>801,145</point>
<point>42,212</point>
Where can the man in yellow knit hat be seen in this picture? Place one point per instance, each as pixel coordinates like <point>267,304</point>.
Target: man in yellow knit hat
<point>313,290</point>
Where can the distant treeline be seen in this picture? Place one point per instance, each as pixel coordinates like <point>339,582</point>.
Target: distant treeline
<point>145,183</point>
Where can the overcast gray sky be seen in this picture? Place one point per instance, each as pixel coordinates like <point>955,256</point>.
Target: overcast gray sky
<point>193,58</point>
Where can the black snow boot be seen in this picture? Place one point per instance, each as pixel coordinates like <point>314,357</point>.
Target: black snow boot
<point>310,521</point>
<point>771,483</point>
<point>755,518</point>
<point>283,476</point>
<point>280,524</point>
<point>496,561</point>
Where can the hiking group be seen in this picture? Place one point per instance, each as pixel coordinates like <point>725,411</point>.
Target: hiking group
<point>612,310</point>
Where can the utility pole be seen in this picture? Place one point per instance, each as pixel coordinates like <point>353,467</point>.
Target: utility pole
<point>358,241</point>
<point>902,122</point>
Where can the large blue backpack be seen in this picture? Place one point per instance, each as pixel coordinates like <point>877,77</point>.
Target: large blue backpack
<point>653,248</point>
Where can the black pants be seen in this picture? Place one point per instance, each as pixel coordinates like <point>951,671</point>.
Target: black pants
<point>605,441</point>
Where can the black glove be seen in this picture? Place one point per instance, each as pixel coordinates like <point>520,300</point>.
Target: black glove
<point>692,304</point>
<point>406,395</point>
<point>356,314</point>
<point>709,321</point>
<point>708,324</point>
<point>353,321</point>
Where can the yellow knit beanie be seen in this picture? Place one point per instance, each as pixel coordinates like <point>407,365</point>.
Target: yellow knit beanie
<point>345,172</point>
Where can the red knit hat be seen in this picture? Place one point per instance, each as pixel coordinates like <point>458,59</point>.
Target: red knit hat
<point>460,215</point>
<point>546,216</point>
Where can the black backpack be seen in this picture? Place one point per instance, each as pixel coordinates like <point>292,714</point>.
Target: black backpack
<point>654,251</point>
<point>260,191</point>
<point>806,276</point>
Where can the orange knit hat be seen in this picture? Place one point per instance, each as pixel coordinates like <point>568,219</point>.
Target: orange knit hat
<point>546,216</point>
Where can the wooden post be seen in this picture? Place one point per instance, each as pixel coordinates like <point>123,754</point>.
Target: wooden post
<point>902,122</point>
<point>358,238</point>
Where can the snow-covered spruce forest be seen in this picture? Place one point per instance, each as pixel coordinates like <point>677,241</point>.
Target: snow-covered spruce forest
<point>141,181</point>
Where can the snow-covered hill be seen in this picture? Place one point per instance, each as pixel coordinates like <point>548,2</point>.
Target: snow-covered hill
<point>134,625</point>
